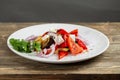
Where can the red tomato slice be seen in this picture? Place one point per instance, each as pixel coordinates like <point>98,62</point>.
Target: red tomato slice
<point>74,47</point>
<point>62,32</point>
<point>75,32</point>
<point>80,43</point>
<point>62,54</point>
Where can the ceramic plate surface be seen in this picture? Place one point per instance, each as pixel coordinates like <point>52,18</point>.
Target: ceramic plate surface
<point>96,42</point>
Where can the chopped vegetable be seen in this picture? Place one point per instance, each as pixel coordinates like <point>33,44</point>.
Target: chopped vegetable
<point>44,34</point>
<point>62,31</point>
<point>80,43</point>
<point>39,39</point>
<point>63,45</point>
<point>74,47</point>
<point>57,41</point>
<point>61,49</point>
<point>74,32</point>
<point>44,53</point>
<point>32,37</point>
<point>62,54</point>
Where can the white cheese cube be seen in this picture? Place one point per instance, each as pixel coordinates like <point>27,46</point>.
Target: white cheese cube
<point>59,39</point>
<point>73,37</point>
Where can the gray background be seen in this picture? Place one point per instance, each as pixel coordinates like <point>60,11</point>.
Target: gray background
<point>59,10</point>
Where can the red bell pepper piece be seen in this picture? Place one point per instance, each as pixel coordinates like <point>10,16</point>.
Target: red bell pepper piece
<point>62,32</point>
<point>62,54</point>
<point>81,43</point>
<point>64,44</point>
<point>75,32</point>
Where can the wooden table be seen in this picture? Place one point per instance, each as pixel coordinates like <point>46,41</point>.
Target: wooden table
<point>14,67</point>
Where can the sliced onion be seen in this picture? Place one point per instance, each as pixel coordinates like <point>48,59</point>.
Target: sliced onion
<point>44,51</point>
<point>32,37</point>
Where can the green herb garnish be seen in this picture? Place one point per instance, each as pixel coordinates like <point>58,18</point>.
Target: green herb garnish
<point>25,46</point>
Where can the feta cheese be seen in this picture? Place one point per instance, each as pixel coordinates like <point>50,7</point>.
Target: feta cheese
<point>73,37</point>
<point>59,40</point>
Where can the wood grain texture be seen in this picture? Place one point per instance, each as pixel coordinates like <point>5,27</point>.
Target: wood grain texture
<point>106,63</point>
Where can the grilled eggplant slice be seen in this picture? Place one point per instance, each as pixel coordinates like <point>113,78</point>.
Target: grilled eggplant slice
<point>47,42</point>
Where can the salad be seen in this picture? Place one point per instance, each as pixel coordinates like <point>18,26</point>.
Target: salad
<point>57,41</point>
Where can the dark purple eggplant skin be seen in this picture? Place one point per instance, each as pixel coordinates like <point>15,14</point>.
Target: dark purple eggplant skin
<point>51,41</point>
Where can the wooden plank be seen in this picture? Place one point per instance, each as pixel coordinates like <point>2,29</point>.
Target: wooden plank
<point>106,28</point>
<point>61,77</point>
<point>106,63</point>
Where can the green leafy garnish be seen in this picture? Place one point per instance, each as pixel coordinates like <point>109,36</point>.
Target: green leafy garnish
<point>25,46</point>
<point>37,46</point>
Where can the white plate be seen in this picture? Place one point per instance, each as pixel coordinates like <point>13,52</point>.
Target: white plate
<point>98,42</point>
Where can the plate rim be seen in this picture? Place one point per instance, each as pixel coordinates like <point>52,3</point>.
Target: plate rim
<point>60,61</point>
